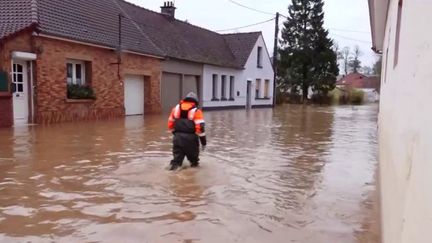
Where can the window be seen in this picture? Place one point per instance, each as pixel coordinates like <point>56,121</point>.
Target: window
<point>259,57</point>
<point>266,88</point>
<point>398,27</point>
<point>232,87</point>
<point>75,71</point>
<point>257,88</point>
<point>223,86</point>
<point>215,86</point>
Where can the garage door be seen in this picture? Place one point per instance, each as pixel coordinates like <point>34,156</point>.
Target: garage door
<point>190,84</point>
<point>170,90</point>
<point>134,95</point>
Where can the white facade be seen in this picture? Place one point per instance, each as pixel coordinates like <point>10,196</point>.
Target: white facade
<point>405,119</point>
<point>251,73</point>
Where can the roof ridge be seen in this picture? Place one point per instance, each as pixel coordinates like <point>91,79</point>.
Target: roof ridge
<point>243,33</point>
<point>137,26</point>
<point>175,19</point>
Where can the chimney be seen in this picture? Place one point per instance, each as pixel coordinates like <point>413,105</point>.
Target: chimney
<point>168,9</point>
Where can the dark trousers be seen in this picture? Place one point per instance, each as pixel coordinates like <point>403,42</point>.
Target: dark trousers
<point>185,144</point>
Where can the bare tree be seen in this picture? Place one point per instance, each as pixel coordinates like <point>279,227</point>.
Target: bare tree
<point>355,63</point>
<point>346,58</point>
<point>338,51</point>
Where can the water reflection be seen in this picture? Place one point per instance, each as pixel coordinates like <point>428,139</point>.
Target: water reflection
<point>296,173</point>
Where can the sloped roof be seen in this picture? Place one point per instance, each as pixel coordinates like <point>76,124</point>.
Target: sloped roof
<point>16,15</point>
<point>182,40</point>
<point>242,44</point>
<point>143,31</point>
<point>95,21</point>
<point>357,80</point>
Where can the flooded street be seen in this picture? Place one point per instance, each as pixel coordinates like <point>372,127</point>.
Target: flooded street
<point>293,174</point>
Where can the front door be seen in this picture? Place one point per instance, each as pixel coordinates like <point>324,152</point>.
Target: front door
<point>134,95</point>
<point>21,93</point>
<point>249,95</point>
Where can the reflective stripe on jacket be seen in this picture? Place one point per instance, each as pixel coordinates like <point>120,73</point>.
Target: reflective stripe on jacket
<point>187,118</point>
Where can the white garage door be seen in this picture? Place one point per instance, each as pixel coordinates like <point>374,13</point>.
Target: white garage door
<point>134,95</point>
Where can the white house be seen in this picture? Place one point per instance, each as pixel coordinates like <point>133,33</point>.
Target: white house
<point>400,31</point>
<point>250,86</point>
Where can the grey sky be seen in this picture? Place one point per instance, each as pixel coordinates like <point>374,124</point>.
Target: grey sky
<point>341,17</point>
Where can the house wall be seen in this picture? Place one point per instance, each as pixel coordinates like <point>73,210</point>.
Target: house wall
<point>21,42</point>
<point>405,132</point>
<point>252,72</point>
<point>178,79</point>
<point>106,81</point>
<point>239,86</point>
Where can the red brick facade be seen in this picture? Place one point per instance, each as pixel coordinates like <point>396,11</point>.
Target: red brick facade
<point>20,43</point>
<point>106,79</point>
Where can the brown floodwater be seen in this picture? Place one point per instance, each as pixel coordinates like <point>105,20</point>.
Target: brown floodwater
<point>292,174</point>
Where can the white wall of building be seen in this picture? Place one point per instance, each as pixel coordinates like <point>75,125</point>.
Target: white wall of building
<point>251,72</point>
<point>208,73</point>
<point>405,126</point>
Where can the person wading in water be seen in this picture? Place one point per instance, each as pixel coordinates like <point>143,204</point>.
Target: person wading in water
<point>187,124</point>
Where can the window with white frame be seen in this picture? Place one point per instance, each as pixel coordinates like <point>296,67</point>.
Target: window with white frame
<point>398,30</point>
<point>223,87</point>
<point>232,80</point>
<point>266,88</point>
<point>259,57</point>
<point>75,72</point>
<point>215,87</point>
<point>257,88</point>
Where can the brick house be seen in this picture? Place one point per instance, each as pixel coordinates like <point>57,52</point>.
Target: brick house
<point>370,85</point>
<point>133,60</point>
<point>46,46</point>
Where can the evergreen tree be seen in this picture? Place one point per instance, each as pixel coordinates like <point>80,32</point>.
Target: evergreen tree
<point>307,56</point>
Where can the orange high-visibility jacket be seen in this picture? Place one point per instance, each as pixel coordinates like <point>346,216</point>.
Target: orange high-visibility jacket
<point>191,113</point>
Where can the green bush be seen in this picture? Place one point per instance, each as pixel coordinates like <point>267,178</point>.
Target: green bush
<point>321,99</point>
<point>356,96</point>
<point>75,91</point>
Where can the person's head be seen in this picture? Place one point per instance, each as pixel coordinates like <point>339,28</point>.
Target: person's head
<point>191,97</point>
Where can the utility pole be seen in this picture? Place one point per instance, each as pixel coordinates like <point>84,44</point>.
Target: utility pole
<point>275,56</point>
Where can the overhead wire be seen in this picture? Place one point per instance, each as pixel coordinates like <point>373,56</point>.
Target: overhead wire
<point>352,39</point>
<point>250,8</point>
<point>245,26</point>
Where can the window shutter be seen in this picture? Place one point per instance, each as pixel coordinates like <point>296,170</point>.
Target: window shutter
<point>4,83</point>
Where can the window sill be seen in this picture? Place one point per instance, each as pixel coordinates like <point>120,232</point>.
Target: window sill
<point>214,99</point>
<point>265,98</point>
<point>5,95</point>
<point>80,100</point>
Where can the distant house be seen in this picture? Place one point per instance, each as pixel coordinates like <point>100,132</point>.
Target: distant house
<point>370,85</point>
<point>135,60</point>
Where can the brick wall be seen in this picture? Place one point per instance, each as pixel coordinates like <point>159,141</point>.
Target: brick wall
<point>133,64</point>
<point>6,111</point>
<point>21,42</point>
<point>51,102</point>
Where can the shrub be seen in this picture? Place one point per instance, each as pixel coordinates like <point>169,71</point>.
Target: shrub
<point>356,96</point>
<point>75,91</point>
<point>321,99</point>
